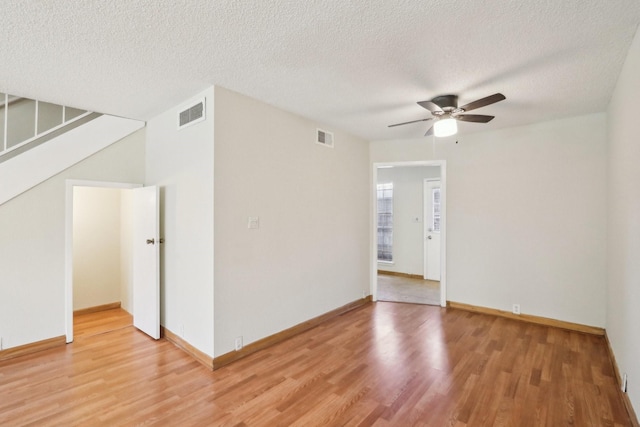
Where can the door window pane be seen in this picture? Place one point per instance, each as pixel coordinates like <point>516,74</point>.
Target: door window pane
<point>385,222</point>
<point>435,214</point>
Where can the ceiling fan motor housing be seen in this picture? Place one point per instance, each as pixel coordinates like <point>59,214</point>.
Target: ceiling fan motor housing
<point>447,102</point>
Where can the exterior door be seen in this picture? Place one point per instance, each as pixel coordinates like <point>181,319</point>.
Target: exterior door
<point>432,217</point>
<point>146,260</point>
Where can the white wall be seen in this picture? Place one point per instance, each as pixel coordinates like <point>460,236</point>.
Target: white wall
<point>32,243</point>
<point>623,315</point>
<point>311,252</point>
<point>526,215</point>
<point>408,235</point>
<point>181,164</point>
<point>96,246</point>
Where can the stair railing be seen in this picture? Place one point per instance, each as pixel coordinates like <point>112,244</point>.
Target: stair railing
<point>26,123</point>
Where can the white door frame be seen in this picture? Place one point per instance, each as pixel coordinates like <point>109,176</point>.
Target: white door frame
<point>68,246</point>
<point>443,226</point>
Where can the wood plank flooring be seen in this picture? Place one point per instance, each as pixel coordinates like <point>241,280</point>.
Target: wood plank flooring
<point>386,364</point>
<point>100,322</point>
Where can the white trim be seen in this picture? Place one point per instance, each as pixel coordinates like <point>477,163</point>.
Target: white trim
<point>35,125</point>
<point>443,225</point>
<point>68,244</point>
<point>6,117</point>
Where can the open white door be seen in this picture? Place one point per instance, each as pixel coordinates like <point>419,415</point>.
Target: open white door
<point>432,216</point>
<point>146,261</point>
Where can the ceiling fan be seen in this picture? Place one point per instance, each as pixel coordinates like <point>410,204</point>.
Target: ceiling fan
<point>445,112</point>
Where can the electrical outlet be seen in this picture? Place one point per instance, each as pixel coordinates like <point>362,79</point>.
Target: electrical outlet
<point>623,386</point>
<point>516,309</point>
<point>364,294</point>
<point>238,343</point>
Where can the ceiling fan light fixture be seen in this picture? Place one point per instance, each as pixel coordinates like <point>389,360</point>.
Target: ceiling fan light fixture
<point>445,113</point>
<point>445,127</point>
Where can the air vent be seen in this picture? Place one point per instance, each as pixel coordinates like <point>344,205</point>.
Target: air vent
<point>324,138</point>
<point>191,115</point>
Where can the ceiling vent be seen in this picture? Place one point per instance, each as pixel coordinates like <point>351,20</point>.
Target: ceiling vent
<point>191,115</point>
<point>324,138</point>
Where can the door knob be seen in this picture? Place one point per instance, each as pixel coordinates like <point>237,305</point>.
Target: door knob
<point>151,241</point>
<point>428,237</point>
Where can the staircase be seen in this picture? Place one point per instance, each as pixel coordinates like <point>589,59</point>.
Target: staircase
<point>40,139</point>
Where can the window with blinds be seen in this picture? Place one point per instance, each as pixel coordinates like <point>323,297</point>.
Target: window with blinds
<point>385,222</point>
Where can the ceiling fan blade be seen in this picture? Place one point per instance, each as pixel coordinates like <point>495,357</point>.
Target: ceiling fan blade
<point>476,118</point>
<point>429,131</point>
<point>431,106</point>
<point>413,121</point>
<point>491,99</point>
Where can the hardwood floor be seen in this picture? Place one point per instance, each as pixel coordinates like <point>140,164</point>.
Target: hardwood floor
<point>385,364</point>
<point>100,322</point>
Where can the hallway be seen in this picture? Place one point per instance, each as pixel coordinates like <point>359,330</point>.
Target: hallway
<point>407,289</point>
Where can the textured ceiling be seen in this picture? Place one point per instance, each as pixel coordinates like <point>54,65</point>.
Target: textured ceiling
<point>354,65</point>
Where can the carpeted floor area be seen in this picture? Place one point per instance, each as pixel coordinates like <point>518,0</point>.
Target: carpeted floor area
<point>405,289</point>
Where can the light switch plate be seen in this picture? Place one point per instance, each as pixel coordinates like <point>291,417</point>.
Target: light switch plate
<point>253,222</point>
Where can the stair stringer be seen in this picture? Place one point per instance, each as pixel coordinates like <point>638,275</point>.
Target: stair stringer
<point>32,167</point>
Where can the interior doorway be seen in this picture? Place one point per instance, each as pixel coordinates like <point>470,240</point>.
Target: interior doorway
<point>99,259</point>
<point>403,223</point>
<point>102,260</point>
